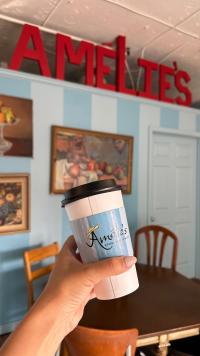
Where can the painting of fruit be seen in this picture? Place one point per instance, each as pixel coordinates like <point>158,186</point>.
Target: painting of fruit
<point>13,203</point>
<point>15,126</point>
<point>82,156</point>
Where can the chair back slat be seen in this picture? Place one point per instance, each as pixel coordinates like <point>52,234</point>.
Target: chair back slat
<point>88,341</point>
<point>37,255</point>
<point>42,271</point>
<point>157,230</point>
<point>43,252</point>
<point>174,256</point>
<point>163,242</point>
<point>148,247</point>
<point>155,246</point>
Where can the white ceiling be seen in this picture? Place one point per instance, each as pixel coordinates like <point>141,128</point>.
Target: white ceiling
<point>163,31</point>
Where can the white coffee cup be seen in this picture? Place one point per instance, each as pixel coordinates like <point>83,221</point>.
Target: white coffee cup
<point>98,219</point>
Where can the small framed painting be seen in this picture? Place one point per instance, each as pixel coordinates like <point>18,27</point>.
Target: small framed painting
<point>82,156</point>
<point>14,203</point>
<point>16,127</point>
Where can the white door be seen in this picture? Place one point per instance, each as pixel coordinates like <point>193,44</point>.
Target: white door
<point>172,198</point>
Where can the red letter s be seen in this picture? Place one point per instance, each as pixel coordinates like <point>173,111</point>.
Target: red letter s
<point>182,75</point>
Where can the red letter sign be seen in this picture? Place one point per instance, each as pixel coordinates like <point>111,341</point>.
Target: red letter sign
<point>164,84</point>
<point>103,69</point>
<point>64,43</point>
<point>181,75</point>
<point>86,51</point>
<point>148,67</point>
<point>121,66</point>
<point>38,53</point>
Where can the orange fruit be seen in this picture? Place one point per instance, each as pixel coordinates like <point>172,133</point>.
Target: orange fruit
<point>2,117</point>
<point>10,197</point>
<point>2,201</point>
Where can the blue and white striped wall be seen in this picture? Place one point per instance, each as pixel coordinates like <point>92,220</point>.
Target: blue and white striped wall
<point>61,103</point>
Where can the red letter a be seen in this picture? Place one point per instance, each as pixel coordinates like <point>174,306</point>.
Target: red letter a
<point>37,53</point>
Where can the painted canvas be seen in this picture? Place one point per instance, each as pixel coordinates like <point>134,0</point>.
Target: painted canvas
<point>14,203</point>
<point>82,156</point>
<point>15,126</point>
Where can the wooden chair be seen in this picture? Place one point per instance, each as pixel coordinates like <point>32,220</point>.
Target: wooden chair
<point>84,341</point>
<point>37,255</point>
<point>156,231</point>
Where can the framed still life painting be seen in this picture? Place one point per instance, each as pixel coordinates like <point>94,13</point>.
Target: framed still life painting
<point>81,156</point>
<point>16,128</point>
<point>14,203</point>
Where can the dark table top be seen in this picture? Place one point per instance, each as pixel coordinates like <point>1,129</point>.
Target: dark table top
<point>166,301</point>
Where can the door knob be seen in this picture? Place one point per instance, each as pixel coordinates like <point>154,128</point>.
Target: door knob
<point>152,218</point>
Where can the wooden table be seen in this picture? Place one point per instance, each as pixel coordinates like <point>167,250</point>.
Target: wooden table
<point>165,307</point>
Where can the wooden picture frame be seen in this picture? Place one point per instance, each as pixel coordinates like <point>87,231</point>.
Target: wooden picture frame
<point>16,126</point>
<point>81,156</point>
<point>14,203</point>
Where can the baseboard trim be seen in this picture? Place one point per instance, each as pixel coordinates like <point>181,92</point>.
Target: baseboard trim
<point>8,328</point>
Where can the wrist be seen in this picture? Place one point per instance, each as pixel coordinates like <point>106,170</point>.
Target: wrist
<point>45,330</point>
<point>53,311</point>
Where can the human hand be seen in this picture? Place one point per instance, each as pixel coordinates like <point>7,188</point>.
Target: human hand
<point>61,305</point>
<point>71,284</point>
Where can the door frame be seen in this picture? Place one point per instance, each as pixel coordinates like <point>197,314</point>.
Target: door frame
<point>178,133</point>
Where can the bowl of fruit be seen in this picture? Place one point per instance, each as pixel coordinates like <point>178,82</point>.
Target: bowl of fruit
<point>7,118</point>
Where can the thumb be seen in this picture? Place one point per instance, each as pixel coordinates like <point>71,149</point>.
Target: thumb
<point>109,267</point>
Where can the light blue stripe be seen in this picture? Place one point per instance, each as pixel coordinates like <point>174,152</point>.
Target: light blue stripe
<point>77,113</point>
<point>77,108</point>
<point>13,299</point>
<point>128,124</point>
<point>14,165</point>
<point>66,228</point>
<point>198,122</point>
<point>169,118</point>
<point>15,87</point>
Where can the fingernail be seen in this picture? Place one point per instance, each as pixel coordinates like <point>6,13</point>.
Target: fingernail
<point>129,261</point>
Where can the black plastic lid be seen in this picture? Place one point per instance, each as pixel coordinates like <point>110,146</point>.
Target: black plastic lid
<point>86,190</point>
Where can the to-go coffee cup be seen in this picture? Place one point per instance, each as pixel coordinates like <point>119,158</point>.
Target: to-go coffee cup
<point>99,224</point>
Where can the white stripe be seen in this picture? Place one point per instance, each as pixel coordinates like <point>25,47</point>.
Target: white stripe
<point>46,214</point>
<point>187,121</point>
<point>149,116</point>
<point>104,113</point>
